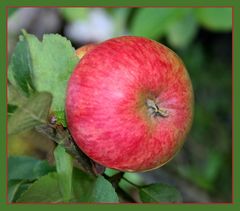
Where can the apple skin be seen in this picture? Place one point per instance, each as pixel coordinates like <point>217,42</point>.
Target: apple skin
<point>84,49</point>
<point>109,104</point>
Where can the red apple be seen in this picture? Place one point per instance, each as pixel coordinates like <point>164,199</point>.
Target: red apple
<point>84,49</point>
<point>130,104</point>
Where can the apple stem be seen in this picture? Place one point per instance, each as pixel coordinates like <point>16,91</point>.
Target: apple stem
<point>154,110</point>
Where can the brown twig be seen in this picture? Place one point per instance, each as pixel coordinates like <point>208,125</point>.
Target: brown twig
<point>61,136</point>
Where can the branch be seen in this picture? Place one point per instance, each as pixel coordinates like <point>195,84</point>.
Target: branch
<point>62,137</point>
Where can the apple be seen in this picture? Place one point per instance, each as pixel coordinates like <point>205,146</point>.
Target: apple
<point>84,49</point>
<point>129,104</point>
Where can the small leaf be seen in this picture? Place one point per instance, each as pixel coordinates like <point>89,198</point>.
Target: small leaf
<point>182,33</point>
<point>102,191</point>
<point>154,22</point>
<point>46,189</point>
<point>34,112</point>
<point>26,168</point>
<point>159,193</point>
<point>61,118</point>
<point>21,67</point>
<point>82,183</point>
<point>64,169</point>
<point>217,19</point>
<point>13,187</point>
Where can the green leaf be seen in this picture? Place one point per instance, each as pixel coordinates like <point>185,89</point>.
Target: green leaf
<point>64,169</point>
<point>27,168</point>
<point>13,187</point>
<point>159,193</point>
<point>217,19</point>
<point>102,191</point>
<point>14,96</point>
<point>21,67</point>
<point>212,166</point>
<point>120,16</point>
<point>53,60</point>
<point>82,183</point>
<point>32,113</point>
<point>43,66</point>
<point>46,189</point>
<point>75,14</point>
<point>90,189</point>
<point>22,188</point>
<point>61,118</point>
<point>154,22</point>
<point>16,188</point>
<point>182,33</point>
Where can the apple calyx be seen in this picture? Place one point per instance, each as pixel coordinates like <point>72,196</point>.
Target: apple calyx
<point>154,110</point>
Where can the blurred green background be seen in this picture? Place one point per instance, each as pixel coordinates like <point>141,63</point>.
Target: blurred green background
<point>202,37</point>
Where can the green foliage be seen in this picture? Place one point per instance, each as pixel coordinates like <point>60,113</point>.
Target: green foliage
<point>183,31</point>
<point>75,14</point>
<point>61,118</point>
<point>102,191</point>
<point>120,16</point>
<point>82,183</point>
<point>32,180</point>
<point>27,168</point>
<point>32,113</point>
<point>38,75</point>
<point>90,189</point>
<point>13,187</point>
<point>43,66</point>
<point>15,98</point>
<point>21,67</point>
<point>209,145</point>
<point>46,189</point>
<point>64,169</point>
<point>154,22</point>
<point>215,18</point>
<point>179,25</point>
<point>159,193</point>
<point>23,170</point>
